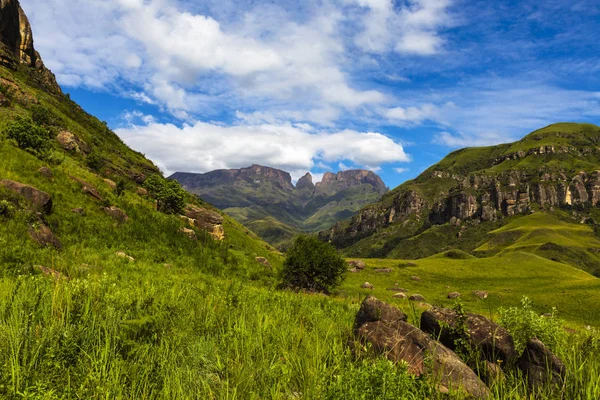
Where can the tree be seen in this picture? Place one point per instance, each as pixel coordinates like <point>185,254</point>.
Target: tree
<point>312,265</point>
<point>169,195</point>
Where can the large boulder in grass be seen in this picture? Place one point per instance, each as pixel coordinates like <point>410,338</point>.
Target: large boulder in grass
<point>40,200</point>
<point>401,341</point>
<point>540,366</point>
<point>206,220</point>
<point>373,309</point>
<point>43,235</point>
<point>116,213</point>
<point>494,342</point>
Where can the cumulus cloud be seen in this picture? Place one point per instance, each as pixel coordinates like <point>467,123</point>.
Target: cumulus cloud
<point>400,170</point>
<point>203,147</point>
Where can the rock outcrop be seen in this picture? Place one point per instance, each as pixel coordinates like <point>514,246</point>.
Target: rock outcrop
<point>493,341</point>
<point>540,366</point>
<point>16,45</point>
<point>206,220</point>
<point>40,200</point>
<point>305,183</point>
<point>399,341</point>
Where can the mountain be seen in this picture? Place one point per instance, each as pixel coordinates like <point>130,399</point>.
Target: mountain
<point>464,200</point>
<point>265,200</point>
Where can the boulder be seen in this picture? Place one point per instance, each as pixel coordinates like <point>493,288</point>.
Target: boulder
<point>383,271</point>
<point>263,261</point>
<point>358,264</point>
<point>46,172</point>
<point>401,341</point>
<point>51,272</point>
<point>116,213</point>
<point>416,297</point>
<point>189,232</point>
<point>373,309</point>
<point>206,220</point>
<point>540,366</point>
<point>453,295</point>
<point>122,254</point>
<point>70,142</point>
<point>87,188</point>
<point>141,191</point>
<point>78,210</point>
<point>40,200</point>
<point>110,183</point>
<point>400,295</point>
<point>493,341</point>
<point>42,234</point>
<point>367,285</point>
<point>415,278</point>
<point>482,294</point>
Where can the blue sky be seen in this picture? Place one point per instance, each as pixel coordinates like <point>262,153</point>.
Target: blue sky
<point>320,85</point>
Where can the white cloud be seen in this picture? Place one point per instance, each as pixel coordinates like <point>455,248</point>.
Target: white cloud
<point>204,147</point>
<point>400,170</point>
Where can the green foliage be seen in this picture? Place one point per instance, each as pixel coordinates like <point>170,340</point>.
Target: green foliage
<point>378,379</point>
<point>169,195</point>
<point>121,186</point>
<point>43,116</point>
<point>6,209</point>
<point>312,265</point>
<point>524,324</point>
<point>30,137</point>
<point>95,161</point>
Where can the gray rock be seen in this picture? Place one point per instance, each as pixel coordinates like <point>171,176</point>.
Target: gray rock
<point>373,309</point>
<point>541,366</point>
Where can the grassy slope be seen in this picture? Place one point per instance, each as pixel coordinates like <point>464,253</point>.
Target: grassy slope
<point>507,278</point>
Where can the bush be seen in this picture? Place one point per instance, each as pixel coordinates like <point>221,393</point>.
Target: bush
<point>42,116</point>
<point>95,161</point>
<point>30,137</point>
<point>524,323</point>
<point>6,209</point>
<point>169,195</point>
<point>312,265</point>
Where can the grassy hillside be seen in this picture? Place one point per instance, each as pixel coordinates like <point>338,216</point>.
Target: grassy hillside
<point>506,277</point>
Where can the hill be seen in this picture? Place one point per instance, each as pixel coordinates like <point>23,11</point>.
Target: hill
<point>265,200</point>
<point>475,191</point>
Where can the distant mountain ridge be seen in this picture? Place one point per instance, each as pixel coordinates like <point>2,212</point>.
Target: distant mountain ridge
<point>265,199</point>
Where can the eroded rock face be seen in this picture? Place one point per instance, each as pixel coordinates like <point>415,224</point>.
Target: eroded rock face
<point>70,142</point>
<point>540,365</point>
<point>494,342</point>
<point>40,200</point>
<point>16,39</point>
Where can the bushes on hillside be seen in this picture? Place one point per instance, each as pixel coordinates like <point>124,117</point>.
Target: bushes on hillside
<point>169,195</point>
<point>30,137</point>
<point>312,265</point>
<point>42,116</point>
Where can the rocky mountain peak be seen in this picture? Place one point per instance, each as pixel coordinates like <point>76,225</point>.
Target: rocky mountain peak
<point>305,182</point>
<point>350,178</point>
<point>16,45</point>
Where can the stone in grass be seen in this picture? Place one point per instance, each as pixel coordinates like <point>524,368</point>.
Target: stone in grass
<point>415,278</point>
<point>453,295</point>
<point>541,366</point>
<point>383,270</point>
<point>358,264</point>
<point>45,172</point>
<point>367,285</point>
<point>401,296</point>
<point>482,294</point>
<point>51,272</point>
<point>373,309</point>
<point>264,262</point>
<point>416,297</point>
<point>122,254</point>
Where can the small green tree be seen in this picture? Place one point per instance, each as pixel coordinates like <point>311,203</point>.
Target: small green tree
<point>169,195</point>
<point>312,265</point>
<point>29,136</point>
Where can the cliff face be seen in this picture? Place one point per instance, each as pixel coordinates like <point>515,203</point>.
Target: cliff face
<point>265,200</point>
<point>489,184</point>
<point>16,45</point>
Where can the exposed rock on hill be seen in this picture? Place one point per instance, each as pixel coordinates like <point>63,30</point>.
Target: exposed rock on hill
<point>16,45</point>
<point>265,200</point>
<point>557,166</point>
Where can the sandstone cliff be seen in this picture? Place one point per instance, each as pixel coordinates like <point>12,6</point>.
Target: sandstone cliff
<point>16,45</point>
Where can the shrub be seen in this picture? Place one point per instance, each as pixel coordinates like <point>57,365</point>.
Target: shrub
<point>6,209</point>
<point>524,323</point>
<point>42,116</point>
<point>312,265</point>
<point>95,161</point>
<point>169,195</point>
<point>29,136</point>
<point>121,186</point>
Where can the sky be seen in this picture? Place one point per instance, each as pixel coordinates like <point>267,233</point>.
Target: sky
<point>322,85</point>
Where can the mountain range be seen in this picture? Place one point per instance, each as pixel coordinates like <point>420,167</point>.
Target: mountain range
<point>265,200</point>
